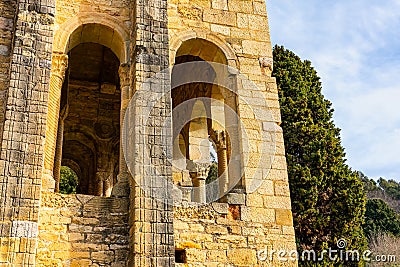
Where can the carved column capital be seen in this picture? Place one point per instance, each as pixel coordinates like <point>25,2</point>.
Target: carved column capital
<point>124,75</point>
<point>198,169</point>
<point>59,64</point>
<point>219,138</point>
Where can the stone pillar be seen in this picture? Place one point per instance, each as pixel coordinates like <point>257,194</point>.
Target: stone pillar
<point>151,223</point>
<point>220,141</point>
<point>121,189</point>
<point>99,183</point>
<point>58,153</point>
<point>234,159</point>
<point>59,65</point>
<point>198,173</point>
<point>108,184</point>
<point>104,173</point>
<point>21,158</point>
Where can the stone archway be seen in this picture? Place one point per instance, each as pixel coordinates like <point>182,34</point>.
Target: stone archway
<point>110,32</point>
<point>213,122</point>
<point>88,68</point>
<point>181,38</point>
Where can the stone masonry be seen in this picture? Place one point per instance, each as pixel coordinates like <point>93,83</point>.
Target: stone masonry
<point>82,230</point>
<point>72,94</point>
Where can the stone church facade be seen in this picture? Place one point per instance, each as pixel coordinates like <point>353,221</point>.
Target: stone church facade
<point>83,84</point>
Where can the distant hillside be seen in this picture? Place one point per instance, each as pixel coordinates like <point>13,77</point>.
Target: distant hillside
<point>387,190</point>
<point>382,215</point>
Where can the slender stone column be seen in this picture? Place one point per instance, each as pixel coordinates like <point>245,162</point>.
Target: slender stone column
<point>220,141</point>
<point>121,189</point>
<point>107,184</point>
<point>198,173</point>
<point>104,173</point>
<point>58,67</point>
<point>99,183</point>
<point>58,153</point>
<point>232,129</point>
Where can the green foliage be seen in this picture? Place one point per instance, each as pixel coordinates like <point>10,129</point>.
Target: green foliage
<point>391,188</point>
<point>369,184</point>
<point>388,191</point>
<point>212,173</point>
<point>382,210</point>
<point>68,181</point>
<point>380,218</point>
<point>327,197</point>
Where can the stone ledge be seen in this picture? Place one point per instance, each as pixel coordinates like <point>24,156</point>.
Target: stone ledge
<point>234,199</point>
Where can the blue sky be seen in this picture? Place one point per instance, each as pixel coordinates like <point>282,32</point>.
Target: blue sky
<point>355,47</point>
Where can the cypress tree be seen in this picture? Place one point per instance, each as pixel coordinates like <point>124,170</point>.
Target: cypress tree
<point>328,200</point>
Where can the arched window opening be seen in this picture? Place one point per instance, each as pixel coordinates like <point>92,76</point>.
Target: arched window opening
<point>90,115</point>
<point>202,115</point>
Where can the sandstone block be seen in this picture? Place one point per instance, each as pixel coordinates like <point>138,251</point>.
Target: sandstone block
<point>260,215</point>
<point>179,225</point>
<point>254,47</point>
<point>284,217</point>
<point>81,263</point>
<point>188,244</point>
<point>242,257</point>
<point>266,188</point>
<point>254,200</point>
<point>288,230</point>
<point>277,202</point>
<point>259,23</point>
<point>224,30</point>
<point>259,8</point>
<point>242,21</point>
<point>219,4</point>
<point>281,188</point>
<point>216,255</point>
<point>190,12</point>
<point>102,256</point>
<point>244,6</point>
<point>219,17</point>
<point>216,229</point>
<point>196,255</point>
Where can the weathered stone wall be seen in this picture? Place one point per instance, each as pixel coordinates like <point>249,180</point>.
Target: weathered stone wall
<point>24,129</point>
<point>151,232</point>
<point>240,30</point>
<point>260,216</point>
<point>7,16</point>
<point>229,235</point>
<point>93,231</point>
<point>67,9</point>
<point>81,230</point>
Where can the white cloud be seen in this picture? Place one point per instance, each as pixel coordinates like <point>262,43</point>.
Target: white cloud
<point>355,47</point>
